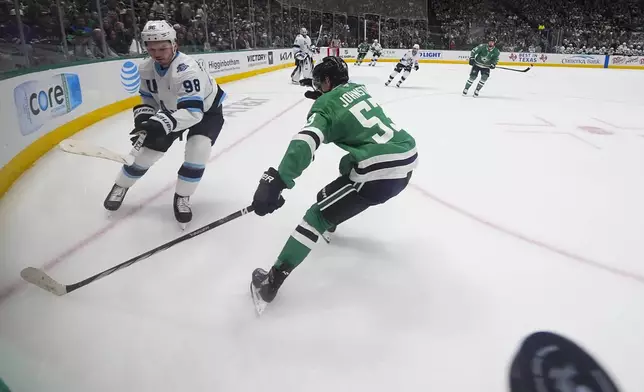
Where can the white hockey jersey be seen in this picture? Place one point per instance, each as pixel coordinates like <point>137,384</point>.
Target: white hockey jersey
<point>410,59</point>
<point>302,44</point>
<point>376,48</point>
<point>176,96</point>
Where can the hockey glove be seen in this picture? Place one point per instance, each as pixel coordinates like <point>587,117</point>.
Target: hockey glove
<point>158,126</point>
<point>151,128</point>
<point>416,67</point>
<point>268,196</point>
<point>472,61</point>
<point>492,66</point>
<point>313,94</point>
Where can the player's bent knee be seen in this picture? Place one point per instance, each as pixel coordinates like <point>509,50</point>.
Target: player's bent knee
<point>333,187</point>
<point>147,157</point>
<point>198,148</point>
<point>346,206</point>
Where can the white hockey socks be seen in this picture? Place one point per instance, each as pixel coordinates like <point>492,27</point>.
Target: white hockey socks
<point>197,153</point>
<point>404,76</point>
<point>130,174</point>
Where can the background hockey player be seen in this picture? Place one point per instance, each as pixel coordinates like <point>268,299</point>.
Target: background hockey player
<point>176,95</point>
<point>303,54</point>
<point>409,60</point>
<point>378,166</point>
<point>376,50</point>
<point>363,49</point>
<point>482,59</point>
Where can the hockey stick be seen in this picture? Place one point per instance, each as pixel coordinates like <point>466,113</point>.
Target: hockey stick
<point>319,36</point>
<point>80,147</point>
<point>517,70</point>
<point>39,278</point>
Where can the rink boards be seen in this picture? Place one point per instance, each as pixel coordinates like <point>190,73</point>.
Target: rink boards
<point>40,109</point>
<point>510,58</point>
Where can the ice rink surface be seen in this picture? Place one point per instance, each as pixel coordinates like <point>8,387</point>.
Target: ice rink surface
<point>525,214</point>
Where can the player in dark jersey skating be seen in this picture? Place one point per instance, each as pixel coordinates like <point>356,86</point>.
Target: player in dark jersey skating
<point>483,58</point>
<point>380,160</point>
<point>363,49</point>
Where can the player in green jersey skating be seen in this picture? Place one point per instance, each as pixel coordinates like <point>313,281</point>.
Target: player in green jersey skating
<point>482,59</point>
<point>363,49</point>
<point>380,160</point>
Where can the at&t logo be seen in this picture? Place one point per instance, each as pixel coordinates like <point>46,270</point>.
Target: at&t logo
<point>130,77</point>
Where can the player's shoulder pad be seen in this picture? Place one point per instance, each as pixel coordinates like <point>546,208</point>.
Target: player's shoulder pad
<point>321,104</point>
<point>146,68</point>
<point>185,66</point>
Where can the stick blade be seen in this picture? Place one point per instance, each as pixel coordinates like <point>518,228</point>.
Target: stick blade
<point>39,278</point>
<point>80,147</point>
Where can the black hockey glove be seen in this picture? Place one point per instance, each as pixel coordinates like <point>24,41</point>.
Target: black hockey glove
<point>416,67</point>
<point>472,61</point>
<point>313,94</point>
<point>492,66</point>
<point>268,196</point>
<point>153,128</point>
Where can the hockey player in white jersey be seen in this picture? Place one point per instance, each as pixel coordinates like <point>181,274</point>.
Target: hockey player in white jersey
<point>376,51</point>
<point>303,54</point>
<point>177,94</point>
<point>409,60</point>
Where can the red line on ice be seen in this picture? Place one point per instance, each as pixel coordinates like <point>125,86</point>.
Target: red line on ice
<point>540,244</point>
<point>11,289</point>
<point>617,126</point>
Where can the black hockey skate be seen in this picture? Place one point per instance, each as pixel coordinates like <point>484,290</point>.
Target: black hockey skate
<point>264,286</point>
<point>327,236</point>
<point>115,198</point>
<point>182,211</point>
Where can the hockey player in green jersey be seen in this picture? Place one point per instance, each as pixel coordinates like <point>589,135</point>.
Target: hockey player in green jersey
<point>363,49</point>
<point>380,160</point>
<point>482,59</point>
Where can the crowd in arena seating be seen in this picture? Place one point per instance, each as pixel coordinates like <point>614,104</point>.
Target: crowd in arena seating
<point>563,26</point>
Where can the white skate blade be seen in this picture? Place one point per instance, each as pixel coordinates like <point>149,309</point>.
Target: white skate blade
<point>327,237</point>
<point>183,226</point>
<point>258,302</point>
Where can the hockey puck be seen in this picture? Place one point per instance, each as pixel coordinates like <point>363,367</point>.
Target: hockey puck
<point>547,362</point>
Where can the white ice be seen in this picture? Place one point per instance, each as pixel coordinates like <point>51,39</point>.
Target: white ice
<point>526,213</point>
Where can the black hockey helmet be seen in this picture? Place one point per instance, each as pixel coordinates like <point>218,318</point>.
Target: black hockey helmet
<point>332,67</point>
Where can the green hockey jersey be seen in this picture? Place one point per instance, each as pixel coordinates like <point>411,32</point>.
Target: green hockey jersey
<point>485,57</point>
<point>363,47</point>
<point>350,118</point>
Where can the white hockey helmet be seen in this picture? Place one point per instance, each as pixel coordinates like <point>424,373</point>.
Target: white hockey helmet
<point>158,31</point>
<point>416,46</point>
<point>303,31</point>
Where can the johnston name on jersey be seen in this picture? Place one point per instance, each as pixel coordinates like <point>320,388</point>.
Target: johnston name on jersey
<point>348,117</point>
<point>179,95</point>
